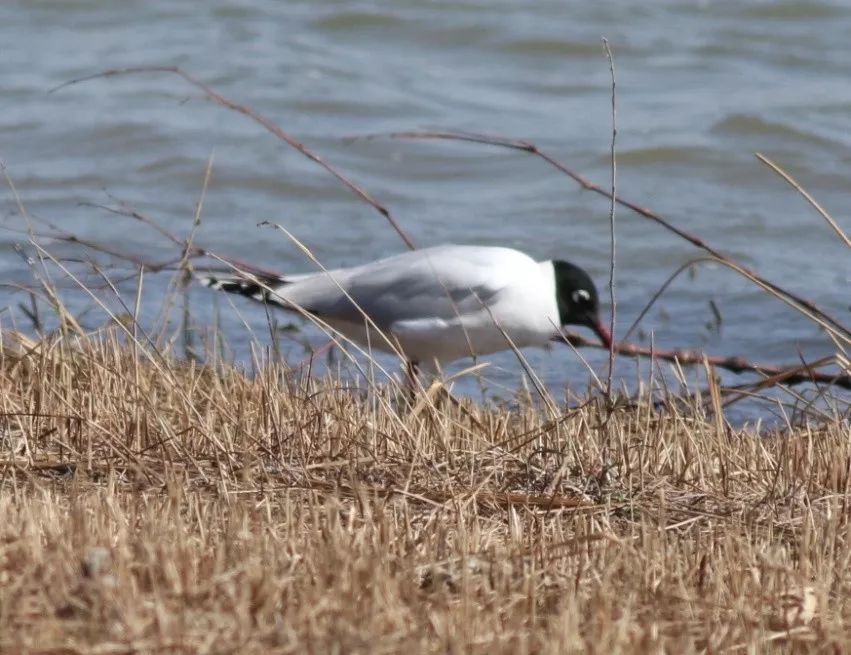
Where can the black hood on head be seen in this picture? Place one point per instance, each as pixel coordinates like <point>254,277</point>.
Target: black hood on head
<point>578,302</point>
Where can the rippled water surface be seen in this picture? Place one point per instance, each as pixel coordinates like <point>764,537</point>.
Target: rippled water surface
<point>701,86</point>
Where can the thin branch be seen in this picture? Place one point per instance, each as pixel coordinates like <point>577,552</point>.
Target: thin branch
<point>267,123</point>
<point>526,146</point>
<point>67,237</point>
<point>191,250</point>
<point>790,374</point>
<point>125,210</point>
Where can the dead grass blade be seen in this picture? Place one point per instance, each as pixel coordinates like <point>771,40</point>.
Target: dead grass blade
<point>807,196</point>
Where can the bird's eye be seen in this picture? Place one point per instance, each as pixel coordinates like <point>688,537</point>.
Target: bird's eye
<point>580,296</point>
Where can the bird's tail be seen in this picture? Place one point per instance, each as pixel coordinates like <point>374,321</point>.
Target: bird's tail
<point>261,288</point>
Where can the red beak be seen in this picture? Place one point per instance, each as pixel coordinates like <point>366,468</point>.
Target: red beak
<point>603,332</point>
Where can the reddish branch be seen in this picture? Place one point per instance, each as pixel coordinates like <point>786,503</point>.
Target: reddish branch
<point>790,374</point>
<point>527,146</point>
<point>191,251</point>
<point>267,123</point>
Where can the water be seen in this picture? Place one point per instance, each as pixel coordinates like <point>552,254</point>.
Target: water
<point>701,86</point>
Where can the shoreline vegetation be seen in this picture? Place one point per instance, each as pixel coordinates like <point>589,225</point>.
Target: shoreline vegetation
<point>156,497</point>
<point>153,504</point>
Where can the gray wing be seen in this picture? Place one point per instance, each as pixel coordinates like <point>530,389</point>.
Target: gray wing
<point>434,283</point>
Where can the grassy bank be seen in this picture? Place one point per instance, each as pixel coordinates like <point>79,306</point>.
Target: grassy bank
<point>151,505</point>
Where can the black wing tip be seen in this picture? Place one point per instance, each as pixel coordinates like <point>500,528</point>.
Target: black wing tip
<point>259,290</point>
<point>210,281</point>
<point>233,285</point>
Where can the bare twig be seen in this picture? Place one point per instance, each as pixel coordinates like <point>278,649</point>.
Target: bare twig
<point>267,123</point>
<point>835,326</point>
<point>792,374</point>
<point>189,248</point>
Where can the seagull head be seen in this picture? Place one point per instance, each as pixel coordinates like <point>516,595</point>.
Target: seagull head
<point>578,302</point>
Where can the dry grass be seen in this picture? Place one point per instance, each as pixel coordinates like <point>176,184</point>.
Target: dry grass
<point>150,505</point>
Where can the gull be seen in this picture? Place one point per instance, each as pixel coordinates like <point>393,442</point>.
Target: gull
<point>439,304</point>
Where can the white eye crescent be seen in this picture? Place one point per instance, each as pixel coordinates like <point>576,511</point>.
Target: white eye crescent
<point>580,296</point>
